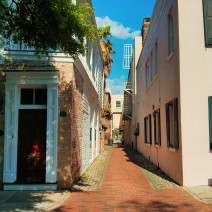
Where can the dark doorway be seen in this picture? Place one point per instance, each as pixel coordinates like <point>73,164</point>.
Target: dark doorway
<point>31,164</point>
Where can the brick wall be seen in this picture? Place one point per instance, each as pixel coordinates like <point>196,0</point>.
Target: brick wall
<point>69,125</point>
<point>77,116</point>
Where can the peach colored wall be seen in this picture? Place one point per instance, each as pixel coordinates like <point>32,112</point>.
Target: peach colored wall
<point>116,118</point>
<point>195,86</point>
<point>163,88</point>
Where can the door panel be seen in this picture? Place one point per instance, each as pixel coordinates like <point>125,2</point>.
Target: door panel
<point>31,146</point>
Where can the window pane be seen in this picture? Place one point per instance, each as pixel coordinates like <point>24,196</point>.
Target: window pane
<point>157,126</point>
<point>90,134</point>
<point>171,122</point>
<point>156,58</point>
<point>210,119</point>
<point>147,129</point>
<point>118,104</point>
<point>208,21</point>
<point>40,96</point>
<point>26,96</point>
<point>170,34</point>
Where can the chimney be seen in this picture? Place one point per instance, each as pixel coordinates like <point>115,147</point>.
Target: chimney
<point>145,28</point>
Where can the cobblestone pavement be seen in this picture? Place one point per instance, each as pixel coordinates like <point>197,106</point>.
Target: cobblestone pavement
<point>130,183</point>
<point>92,179</point>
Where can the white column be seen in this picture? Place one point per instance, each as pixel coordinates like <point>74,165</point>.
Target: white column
<point>10,140</point>
<point>51,142</point>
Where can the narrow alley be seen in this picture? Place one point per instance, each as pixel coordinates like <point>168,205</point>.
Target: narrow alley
<point>130,183</point>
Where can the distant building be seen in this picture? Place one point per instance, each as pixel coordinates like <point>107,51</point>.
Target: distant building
<point>174,91</point>
<point>116,109</point>
<point>130,100</point>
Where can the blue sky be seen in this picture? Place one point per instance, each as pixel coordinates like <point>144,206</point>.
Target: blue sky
<point>125,18</point>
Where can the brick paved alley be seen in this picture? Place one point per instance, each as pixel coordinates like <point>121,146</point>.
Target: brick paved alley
<point>130,183</point>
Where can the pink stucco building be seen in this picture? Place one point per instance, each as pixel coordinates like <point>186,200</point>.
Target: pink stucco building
<point>174,89</point>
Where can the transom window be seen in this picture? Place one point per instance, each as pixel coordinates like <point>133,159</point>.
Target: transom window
<point>33,96</point>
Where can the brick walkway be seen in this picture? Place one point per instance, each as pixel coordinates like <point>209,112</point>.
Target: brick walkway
<point>131,183</point>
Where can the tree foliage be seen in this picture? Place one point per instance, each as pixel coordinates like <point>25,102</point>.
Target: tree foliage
<point>107,50</point>
<point>47,24</point>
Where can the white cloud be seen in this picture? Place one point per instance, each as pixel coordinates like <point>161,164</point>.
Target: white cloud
<point>117,85</point>
<point>117,29</point>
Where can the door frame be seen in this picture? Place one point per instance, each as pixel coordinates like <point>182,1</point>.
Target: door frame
<point>14,82</point>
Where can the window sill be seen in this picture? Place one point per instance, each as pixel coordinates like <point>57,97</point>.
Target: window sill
<point>157,145</point>
<point>170,56</point>
<point>147,87</point>
<point>172,149</point>
<point>147,144</point>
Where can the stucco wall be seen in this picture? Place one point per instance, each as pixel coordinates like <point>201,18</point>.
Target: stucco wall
<point>163,88</point>
<point>116,111</point>
<point>196,87</point>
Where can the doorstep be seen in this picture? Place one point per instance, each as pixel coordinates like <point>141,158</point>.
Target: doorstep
<point>29,187</point>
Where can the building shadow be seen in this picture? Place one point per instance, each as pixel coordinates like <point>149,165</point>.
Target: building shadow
<point>144,163</point>
<point>31,200</point>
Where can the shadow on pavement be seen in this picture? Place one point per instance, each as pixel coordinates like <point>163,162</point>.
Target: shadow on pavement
<point>154,206</point>
<point>144,163</point>
<point>31,200</point>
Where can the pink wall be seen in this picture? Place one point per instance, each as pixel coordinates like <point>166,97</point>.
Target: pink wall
<point>163,88</point>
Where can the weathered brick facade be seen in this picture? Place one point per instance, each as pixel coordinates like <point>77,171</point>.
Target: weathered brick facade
<point>75,153</point>
<point>70,125</point>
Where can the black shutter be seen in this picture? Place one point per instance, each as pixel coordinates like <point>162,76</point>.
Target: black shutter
<point>159,128</point>
<point>208,21</point>
<point>150,129</point>
<point>145,130</point>
<point>210,119</point>
<point>176,135</point>
<point>167,125</point>
<point>154,118</point>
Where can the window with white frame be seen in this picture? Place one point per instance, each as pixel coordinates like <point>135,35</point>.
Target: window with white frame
<point>170,33</point>
<point>172,124</point>
<point>148,129</point>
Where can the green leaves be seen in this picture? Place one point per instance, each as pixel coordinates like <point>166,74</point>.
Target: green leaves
<point>58,25</point>
<point>104,32</point>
